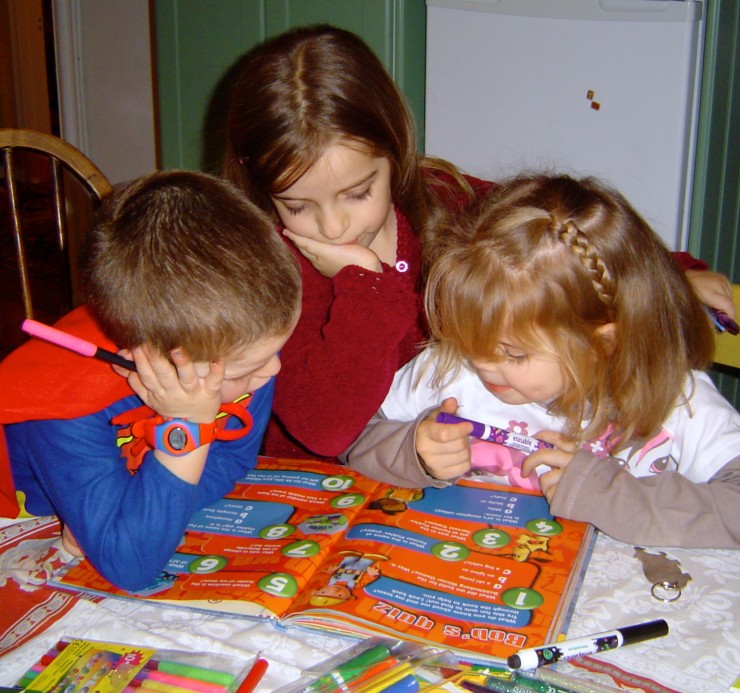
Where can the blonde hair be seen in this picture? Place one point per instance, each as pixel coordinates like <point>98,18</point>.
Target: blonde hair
<point>557,258</point>
<point>184,259</point>
<point>315,86</point>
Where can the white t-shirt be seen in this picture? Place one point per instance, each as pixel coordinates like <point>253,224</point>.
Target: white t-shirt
<point>699,438</point>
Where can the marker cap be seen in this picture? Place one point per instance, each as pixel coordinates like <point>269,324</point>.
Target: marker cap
<point>643,631</point>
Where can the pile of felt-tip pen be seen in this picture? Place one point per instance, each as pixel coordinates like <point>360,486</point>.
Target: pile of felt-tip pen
<point>82,666</point>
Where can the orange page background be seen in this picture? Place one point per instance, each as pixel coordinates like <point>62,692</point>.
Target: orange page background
<point>472,567</point>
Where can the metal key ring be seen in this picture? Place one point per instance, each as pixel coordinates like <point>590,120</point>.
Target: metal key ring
<point>672,591</point>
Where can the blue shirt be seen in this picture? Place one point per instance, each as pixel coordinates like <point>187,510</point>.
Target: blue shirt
<point>128,526</point>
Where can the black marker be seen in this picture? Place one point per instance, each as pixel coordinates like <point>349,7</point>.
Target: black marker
<point>533,657</point>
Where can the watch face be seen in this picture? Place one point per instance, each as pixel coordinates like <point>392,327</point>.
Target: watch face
<point>177,438</point>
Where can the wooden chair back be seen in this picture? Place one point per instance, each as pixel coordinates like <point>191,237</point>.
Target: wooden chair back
<point>52,187</point>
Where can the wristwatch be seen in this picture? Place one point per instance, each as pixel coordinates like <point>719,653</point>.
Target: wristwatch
<point>177,437</point>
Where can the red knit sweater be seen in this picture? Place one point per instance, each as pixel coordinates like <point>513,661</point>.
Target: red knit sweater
<point>355,330</point>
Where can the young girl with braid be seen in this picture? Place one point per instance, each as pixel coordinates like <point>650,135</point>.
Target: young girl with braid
<point>556,312</point>
<point>321,138</point>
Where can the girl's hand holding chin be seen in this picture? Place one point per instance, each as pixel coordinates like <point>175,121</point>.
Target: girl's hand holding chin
<point>174,388</point>
<point>557,458</point>
<point>329,259</point>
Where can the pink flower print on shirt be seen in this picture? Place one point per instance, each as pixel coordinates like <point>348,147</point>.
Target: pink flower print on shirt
<point>519,427</point>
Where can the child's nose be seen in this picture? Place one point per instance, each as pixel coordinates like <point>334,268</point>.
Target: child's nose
<point>334,223</point>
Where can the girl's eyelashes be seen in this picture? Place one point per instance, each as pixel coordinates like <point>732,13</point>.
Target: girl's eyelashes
<point>515,357</point>
<point>359,196</point>
<point>364,195</point>
<point>293,211</point>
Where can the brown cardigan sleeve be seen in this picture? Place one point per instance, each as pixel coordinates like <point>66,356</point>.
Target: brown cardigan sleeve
<point>386,451</point>
<point>662,510</point>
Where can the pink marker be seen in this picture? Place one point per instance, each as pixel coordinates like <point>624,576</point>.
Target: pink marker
<point>148,675</point>
<point>68,341</point>
<point>497,435</point>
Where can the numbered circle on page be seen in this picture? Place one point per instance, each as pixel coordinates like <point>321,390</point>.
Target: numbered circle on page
<point>347,500</point>
<point>450,551</point>
<point>207,564</point>
<point>279,585</point>
<point>522,598</point>
<point>544,526</point>
<point>301,549</point>
<point>338,482</point>
<point>491,538</point>
<point>276,531</point>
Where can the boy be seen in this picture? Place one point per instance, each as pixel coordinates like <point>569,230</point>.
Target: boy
<point>190,280</point>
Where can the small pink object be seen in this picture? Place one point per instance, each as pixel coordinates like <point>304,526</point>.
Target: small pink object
<point>79,346</point>
<point>62,339</point>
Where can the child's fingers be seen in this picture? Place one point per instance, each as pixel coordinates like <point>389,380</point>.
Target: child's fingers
<point>120,370</point>
<point>215,377</point>
<point>449,469</point>
<point>552,457</point>
<point>549,482</point>
<point>557,439</point>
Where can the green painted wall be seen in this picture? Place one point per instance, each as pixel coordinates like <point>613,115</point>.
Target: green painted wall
<point>199,45</point>
<point>715,217</point>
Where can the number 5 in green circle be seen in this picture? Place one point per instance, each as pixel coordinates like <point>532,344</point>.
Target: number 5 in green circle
<point>279,585</point>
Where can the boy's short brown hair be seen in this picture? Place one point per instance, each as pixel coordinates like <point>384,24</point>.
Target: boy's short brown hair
<point>184,259</point>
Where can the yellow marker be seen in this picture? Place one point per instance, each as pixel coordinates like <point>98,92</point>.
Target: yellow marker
<point>387,678</point>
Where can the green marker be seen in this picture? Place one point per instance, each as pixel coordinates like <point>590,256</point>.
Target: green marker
<point>351,669</point>
<point>222,678</point>
<point>522,684</point>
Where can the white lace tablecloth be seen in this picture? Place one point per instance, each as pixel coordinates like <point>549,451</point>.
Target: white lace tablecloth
<point>127,621</point>
<point>701,653</point>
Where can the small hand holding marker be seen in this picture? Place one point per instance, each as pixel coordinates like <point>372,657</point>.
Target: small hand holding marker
<point>722,321</point>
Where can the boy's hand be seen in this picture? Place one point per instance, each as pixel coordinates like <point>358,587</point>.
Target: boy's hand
<point>713,289</point>
<point>557,458</point>
<point>444,449</point>
<point>329,259</point>
<point>174,389</point>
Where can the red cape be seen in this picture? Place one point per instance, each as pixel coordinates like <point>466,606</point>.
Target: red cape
<point>44,381</point>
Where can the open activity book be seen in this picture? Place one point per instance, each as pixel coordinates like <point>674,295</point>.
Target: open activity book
<point>477,568</point>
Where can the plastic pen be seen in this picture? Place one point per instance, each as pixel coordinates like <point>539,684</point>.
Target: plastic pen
<point>222,678</point>
<point>496,435</point>
<point>152,675</point>
<point>557,680</point>
<point>76,344</point>
<point>149,684</point>
<point>349,670</point>
<point>722,321</point>
<point>254,676</point>
<point>408,684</point>
<point>531,658</point>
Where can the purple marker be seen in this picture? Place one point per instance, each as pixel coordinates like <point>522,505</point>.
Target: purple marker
<point>497,435</point>
<point>68,341</point>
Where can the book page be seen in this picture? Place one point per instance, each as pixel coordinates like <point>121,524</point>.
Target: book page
<point>473,567</point>
<point>252,552</point>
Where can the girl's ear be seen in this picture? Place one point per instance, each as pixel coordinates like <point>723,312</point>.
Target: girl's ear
<point>606,335</point>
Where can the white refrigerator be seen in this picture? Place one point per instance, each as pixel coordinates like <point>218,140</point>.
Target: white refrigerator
<point>592,87</point>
